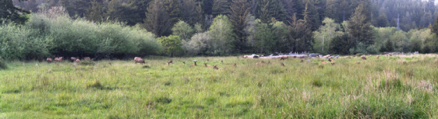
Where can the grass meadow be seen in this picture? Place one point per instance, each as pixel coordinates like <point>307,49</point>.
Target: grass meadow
<point>388,87</point>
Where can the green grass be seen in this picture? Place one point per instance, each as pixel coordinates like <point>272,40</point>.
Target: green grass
<point>390,87</point>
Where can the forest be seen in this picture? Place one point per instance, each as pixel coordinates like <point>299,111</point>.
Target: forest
<point>35,29</point>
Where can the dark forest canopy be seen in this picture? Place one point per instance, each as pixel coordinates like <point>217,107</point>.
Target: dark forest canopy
<point>404,14</point>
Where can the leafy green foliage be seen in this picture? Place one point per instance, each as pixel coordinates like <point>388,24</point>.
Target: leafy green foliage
<point>172,44</point>
<point>222,36</point>
<point>183,30</point>
<point>3,64</point>
<point>341,45</point>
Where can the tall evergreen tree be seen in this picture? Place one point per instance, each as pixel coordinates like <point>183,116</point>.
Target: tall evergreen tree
<point>157,19</point>
<point>311,16</point>
<point>9,12</point>
<point>95,12</point>
<point>359,26</point>
<point>240,10</point>
<point>434,28</point>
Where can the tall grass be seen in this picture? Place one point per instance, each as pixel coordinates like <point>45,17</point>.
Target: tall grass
<point>47,34</point>
<point>389,87</point>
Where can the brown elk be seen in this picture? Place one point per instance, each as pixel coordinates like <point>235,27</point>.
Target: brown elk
<point>283,57</point>
<point>282,64</point>
<point>245,56</point>
<point>364,58</point>
<point>302,61</point>
<point>205,64</point>
<point>377,57</point>
<point>49,60</point>
<point>183,62</point>
<point>58,59</point>
<point>138,60</point>
<point>87,58</point>
<point>73,59</point>
<point>77,60</point>
<point>194,63</point>
<point>323,62</point>
<point>235,65</point>
<point>222,61</point>
<point>215,67</point>
<point>329,60</point>
<point>169,63</point>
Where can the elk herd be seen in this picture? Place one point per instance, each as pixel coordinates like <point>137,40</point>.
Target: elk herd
<point>141,61</point>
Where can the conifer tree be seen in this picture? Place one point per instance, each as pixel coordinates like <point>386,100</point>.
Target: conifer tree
<point>359,26</point>
<point>239,10</point>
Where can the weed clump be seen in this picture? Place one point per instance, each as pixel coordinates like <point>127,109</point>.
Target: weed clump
<point>146,66</point>
<point>163,100</point>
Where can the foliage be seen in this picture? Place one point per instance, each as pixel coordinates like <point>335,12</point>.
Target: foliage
<point>50,33</point>
<point>264,38</point>
<point>197,44</point>
<point>3,64</point>
<point>341,44</point>
<point>183,30</point>
<point>10,13</point>
<point>359,26</point>
<point>222,36</point>
<point>327,32</point>
<point>172,44</point>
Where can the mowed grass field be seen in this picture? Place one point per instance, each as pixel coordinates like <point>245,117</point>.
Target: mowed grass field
<point>388,87</point>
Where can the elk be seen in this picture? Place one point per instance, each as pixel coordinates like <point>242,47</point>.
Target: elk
<point>283,57</point>
<point>183,62</point>
<point>245,56</point>
<point>364,58</point>
<point>58,59</point>
<point>169,63</point>
<point>323,62</point>
<point>377,57</point>
<point>215,67</point>
<point>88,58</point>
<point>329,60</point>
<point>77,60</point>
<point>222,61</point>
<point>205,64</point>
<point>194,63</point>
<point>282,64</point>
<point>138,60</point>
<point>49,60</point>
<point>235,65</point>
<point>73,59</point>
<point>302,61</point>
<point>259,63</point>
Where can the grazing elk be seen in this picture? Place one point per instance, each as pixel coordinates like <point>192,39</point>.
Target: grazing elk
<point>364,58</point>
<point>215,67</point>
<point>169,63</point>
<point>138,60</point>
<point>49,60</point>
<point>88,58</point>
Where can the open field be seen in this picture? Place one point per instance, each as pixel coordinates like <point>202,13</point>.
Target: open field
<point>391,87</point>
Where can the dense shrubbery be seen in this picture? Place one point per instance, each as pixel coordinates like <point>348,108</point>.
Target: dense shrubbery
<point>2,64</point>
<point>54,33</point>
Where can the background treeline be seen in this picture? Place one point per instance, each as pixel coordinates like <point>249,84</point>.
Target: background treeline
<point>223,27</point>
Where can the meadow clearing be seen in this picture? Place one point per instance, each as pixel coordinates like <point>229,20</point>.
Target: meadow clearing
<point>388,87</point>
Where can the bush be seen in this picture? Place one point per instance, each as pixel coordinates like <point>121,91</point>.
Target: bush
<point>54,33</point>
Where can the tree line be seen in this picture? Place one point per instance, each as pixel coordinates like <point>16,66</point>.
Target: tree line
<point>223,27</point>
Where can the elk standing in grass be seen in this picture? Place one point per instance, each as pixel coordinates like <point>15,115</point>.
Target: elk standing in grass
<point>364,58</point>
<point>138,60</point>
<point>58,59</point>
<point>87,58</point>
<point>169,63</point>
<point>194,63</point>
<point>73,59</point>
<point>49,60</point>
<point>77,60</point>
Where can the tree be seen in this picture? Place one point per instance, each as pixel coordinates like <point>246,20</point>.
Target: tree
<point>389,46</point>
<point>192,12</point>
<point>183,30</point>
<point>311,16</point>
<point>359,26</point>
<point>8,12</point>
<point>341,44</point>
<point>326,32</point>
<point>95,12</point>
<point>382,21</point>
<point>172,44</point>
<point>222,36</point>
<point>264,38</point>
<point>240,9</point>
<point>220,7</point>
<point>268,9</point>
<point>157,20</point>
<point>434,28</point>
<point>300,36</point>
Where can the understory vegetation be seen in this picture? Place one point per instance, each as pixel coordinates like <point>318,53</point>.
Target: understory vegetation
<point>388,87</point>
